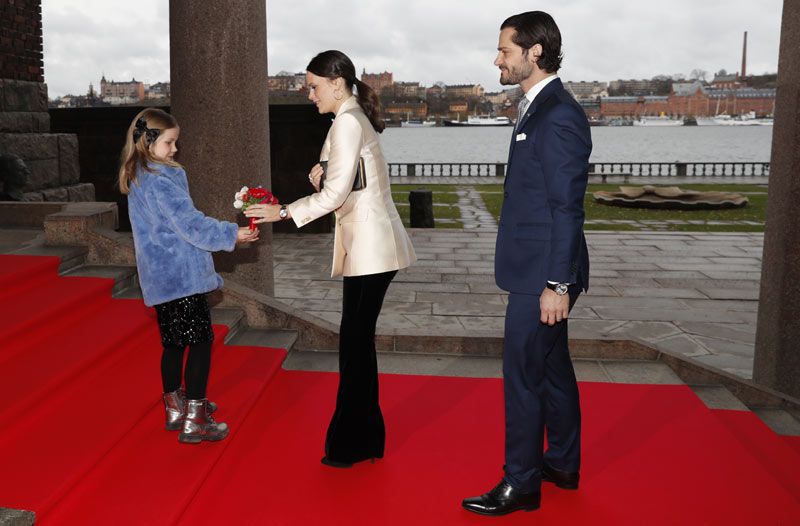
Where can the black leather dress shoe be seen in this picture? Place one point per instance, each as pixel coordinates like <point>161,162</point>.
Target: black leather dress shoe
<point>503,499</point>
<point>562,479</point>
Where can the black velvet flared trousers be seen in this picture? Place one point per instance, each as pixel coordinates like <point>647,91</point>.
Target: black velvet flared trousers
<point>356,431</point>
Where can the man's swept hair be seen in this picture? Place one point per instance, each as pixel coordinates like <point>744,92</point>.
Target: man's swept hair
<point>537,27</point>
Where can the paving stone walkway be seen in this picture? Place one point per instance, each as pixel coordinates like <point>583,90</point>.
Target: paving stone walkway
<point>474,214</point>
<point>691,293</point>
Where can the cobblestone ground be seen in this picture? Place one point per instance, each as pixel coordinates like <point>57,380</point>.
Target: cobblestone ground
<point>474,214</point>
<point>692,293</point>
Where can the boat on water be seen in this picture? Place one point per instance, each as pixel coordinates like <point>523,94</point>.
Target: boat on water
<point>745,119</point>
<point>481,120</point>
<point>417,124</point>
<point>662,120</point>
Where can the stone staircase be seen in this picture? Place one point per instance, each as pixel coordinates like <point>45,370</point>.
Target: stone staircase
<point>605,366</point>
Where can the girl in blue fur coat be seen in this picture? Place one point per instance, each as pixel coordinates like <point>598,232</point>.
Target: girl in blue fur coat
<point>174,242</point>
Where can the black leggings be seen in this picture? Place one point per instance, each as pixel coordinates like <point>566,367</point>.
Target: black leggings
<point>356,431</point>
<point>197,366</point>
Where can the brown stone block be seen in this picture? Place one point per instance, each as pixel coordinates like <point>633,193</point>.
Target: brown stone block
<point>68,163</point>
<point>30,146</point>
<point>24,122</point>
<point>58,195</point>
<point>20,95</point>
<point>16,122</point>
<point>81,192</point>
<point>41,121</point>
<point>44,174</point>
<point>32,197</point>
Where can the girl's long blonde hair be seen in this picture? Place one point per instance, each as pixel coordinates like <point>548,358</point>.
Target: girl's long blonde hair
<point>137,153</point>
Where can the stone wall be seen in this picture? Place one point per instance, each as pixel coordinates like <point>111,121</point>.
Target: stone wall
<point>24,120</point>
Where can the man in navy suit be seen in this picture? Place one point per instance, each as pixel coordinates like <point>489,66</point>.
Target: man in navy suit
<point>541,259</point>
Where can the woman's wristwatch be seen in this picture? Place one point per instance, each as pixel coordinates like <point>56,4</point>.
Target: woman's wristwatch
<point>283,213</point>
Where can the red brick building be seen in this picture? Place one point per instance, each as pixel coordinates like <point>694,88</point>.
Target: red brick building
<point>377,81</point>
<point>21,30</point>
<point>692,99</point>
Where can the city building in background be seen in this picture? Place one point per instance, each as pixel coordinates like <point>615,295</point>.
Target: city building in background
<point>377,81</point>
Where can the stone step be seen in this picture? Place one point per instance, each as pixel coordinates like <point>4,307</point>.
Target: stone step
<point>780,421</point>
<point>124,276</point>
<point>586,370</point>
<point>71,257</point>
<point>276,338</point>
<point>718,397</point>
<point>12,517</point>
<point>233,318</point>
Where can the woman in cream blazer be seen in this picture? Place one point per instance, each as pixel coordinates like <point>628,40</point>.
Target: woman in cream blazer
<point>370,246</point>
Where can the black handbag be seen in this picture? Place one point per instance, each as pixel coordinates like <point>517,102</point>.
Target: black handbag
<point>360,181</point>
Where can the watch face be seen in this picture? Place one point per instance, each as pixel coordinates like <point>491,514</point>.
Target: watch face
<point>561,289</point>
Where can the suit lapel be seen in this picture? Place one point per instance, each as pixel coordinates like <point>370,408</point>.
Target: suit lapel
<point>553,86</point>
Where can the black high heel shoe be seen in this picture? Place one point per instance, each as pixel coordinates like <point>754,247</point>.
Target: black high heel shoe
<point>335,463</point>
<point>343,465</point>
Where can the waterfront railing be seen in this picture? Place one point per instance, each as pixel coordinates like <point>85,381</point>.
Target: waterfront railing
<point>603,170</point>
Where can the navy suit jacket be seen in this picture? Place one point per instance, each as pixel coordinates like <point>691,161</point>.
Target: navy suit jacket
<point>540,235</point>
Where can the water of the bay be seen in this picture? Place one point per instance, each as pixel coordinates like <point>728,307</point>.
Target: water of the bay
<point>611,144</point>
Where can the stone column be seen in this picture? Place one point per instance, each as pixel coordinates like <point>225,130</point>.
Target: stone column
<point>218,71</point>
<point>777,354</point>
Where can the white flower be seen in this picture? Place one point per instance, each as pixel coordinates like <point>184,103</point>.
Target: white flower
<point>239,196</point>
<point>244,190</point>
<point>238,204</point>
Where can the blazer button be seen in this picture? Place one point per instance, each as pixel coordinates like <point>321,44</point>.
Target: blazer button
<point>505,194</point>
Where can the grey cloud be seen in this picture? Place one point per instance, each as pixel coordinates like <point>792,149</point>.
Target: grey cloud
<point>419,40</point>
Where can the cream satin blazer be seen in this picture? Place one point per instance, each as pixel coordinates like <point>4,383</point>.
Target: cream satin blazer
<point>369,236</point>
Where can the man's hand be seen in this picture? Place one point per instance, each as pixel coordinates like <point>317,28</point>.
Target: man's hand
<point>554,308</point>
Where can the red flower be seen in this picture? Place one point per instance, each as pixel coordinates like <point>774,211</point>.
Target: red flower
<point>258,193</point>
<point>254,196</point>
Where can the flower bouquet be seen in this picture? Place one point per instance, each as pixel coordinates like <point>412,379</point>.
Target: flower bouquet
<point>253,196</point>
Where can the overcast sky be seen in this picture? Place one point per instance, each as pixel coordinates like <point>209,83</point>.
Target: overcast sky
<point>424,40</point>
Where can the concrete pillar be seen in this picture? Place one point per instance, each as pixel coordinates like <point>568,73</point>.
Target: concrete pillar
<point>218,71</point>
<point>777,354</point>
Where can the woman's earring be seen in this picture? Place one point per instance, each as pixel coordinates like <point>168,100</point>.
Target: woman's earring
<point>337,94</point>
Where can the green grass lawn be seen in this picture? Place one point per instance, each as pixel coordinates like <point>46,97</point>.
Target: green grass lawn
<point>493,199</point>
<point>445,212</point>
<point>754,211</point>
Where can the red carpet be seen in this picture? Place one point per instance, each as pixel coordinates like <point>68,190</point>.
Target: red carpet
<point>83,441</point>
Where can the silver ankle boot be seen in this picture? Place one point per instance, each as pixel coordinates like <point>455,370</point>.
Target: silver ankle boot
<point>199,425</point>
<point>212,407</point>
<point>174,407</point>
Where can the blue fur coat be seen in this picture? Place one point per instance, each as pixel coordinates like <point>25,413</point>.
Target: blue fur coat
<point>173,240</point>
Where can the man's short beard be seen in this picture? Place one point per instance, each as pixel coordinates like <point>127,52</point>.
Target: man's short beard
<point>515,76</point>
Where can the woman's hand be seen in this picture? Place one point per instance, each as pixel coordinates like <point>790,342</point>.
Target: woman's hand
<point>245,235</point>
<point>264,213</point>
<point>315,176</point>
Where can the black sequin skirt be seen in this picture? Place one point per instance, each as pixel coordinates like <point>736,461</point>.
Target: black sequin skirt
<point>185,321</point>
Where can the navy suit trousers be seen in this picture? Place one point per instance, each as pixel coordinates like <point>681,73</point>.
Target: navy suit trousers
<point>541,394</point>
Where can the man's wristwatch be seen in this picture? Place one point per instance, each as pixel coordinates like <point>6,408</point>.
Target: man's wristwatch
<point>283,213</point>
<point>558,288</point>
